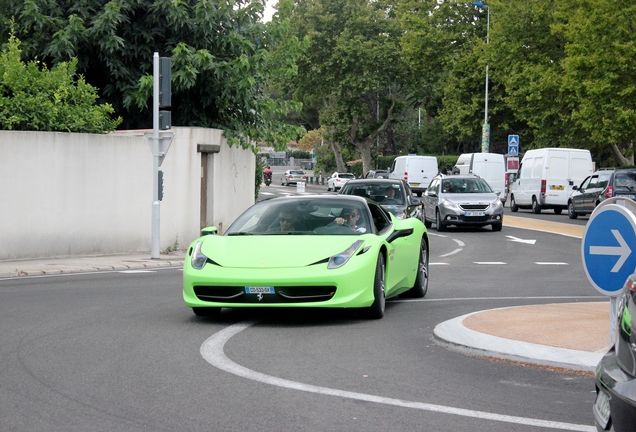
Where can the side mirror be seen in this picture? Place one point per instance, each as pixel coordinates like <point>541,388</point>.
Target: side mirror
<point>575,188</point>
<point>415,201</point>
<point>211,230</point>
<point>431,193</point>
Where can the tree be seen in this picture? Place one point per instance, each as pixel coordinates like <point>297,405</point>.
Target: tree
<point>353,66</point>
<point>35,98</point>
<point>223,58</point>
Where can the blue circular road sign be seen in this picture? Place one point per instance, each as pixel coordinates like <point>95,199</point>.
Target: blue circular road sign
<point>608,248</point>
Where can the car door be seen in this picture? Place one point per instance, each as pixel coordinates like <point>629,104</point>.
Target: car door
<point>578,199</point>
<point>589,194</point>
<point>431,200</point>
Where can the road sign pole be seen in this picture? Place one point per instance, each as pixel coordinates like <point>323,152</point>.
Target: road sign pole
<point>155,159</point>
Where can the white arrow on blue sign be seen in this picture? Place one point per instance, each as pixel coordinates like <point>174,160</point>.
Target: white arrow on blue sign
<point>513,145</point>
<point>608,247</point>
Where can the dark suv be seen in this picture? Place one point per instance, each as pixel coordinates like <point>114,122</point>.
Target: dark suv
<point>602,184</point>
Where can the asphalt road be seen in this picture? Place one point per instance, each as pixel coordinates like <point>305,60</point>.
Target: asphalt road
<point>121,352</point>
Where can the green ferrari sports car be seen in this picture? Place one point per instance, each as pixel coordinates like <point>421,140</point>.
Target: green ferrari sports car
<point>322,251</point>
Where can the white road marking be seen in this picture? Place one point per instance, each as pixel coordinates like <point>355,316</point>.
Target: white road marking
<point>136,271</point>
<point>518,240</point>
<point>212,351</point>
<point>489,263</point>
<point>551,263</point>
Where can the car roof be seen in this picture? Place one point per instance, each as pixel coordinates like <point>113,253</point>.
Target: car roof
<point>374,181</point>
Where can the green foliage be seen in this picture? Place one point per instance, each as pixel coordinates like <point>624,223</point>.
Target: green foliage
<point>35,98</point>
<point>223,58</point>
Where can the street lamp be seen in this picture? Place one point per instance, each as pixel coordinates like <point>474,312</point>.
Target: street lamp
<point>485,130</point>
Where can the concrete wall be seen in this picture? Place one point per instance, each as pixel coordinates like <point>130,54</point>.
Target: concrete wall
<point>67,194</point>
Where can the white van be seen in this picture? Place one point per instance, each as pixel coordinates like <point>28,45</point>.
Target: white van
<point>417,171</point>
<point>546,177</point>
<point>489,166</point>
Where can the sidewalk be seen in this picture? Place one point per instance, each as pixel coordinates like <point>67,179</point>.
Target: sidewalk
<point>90,263</point>
<point>571,335</point>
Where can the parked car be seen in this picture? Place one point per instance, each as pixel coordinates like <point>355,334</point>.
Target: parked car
<point>293,177</point>
<point>392,194</point>
<point>615,405</point>
<point>377,174</point>
<point>602,184</point>
<point>461,200</point>
<point>338,180</point>
<point>339,267</point>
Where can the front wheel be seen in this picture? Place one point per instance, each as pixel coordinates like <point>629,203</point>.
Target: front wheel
<point>376,310</point>
<point>513,205</point>
<point>572,214</point>
<point>497,226</point>
<point>440,226</point>
<point>421,280</point>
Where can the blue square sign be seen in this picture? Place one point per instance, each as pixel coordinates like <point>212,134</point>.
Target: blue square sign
<point>513,145</point>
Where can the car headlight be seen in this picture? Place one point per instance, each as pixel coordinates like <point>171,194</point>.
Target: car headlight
<point>498,203</point>
<point>449,204</point>
<point>198,259</point>
<point>338,260</point>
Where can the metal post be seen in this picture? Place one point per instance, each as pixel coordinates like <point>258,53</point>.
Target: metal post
<point>155,158</point>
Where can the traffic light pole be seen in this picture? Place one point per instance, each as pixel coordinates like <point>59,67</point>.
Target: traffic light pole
<point>155,158</point>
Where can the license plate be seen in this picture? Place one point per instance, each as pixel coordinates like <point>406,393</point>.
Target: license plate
<point>415,184</point>
<point>556,187</point>
<point>259,290</point>
<point>474,213</point>
<point>602,409</point>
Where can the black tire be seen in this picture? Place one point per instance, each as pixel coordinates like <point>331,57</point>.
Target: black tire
<point>206,311</point>
<point>536,208</point>
<point>557,211</point>
<point>427,223</point>
<point>440,226</point>
<point>497,226</point>
<point>571,213</point>
<point>376,310</point>
<point>421,281</point>
<point>513,205</point>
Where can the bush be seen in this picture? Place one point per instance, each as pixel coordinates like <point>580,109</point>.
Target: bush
<point>36,99</point>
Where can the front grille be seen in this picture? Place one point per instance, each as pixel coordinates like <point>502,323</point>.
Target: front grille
<point>283,294</point>
<point>474,206</point>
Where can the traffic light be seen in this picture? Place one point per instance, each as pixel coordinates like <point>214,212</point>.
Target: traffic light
<point>165,81</point>
<point>160,173</point>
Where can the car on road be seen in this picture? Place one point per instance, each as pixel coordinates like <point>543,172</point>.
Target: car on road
<point>461,200</point>
<point>392,194</point>
<point>310,251</point>
<point>602,184</point>
<point>615,405</point>
<point>293,177</point>
<point>377,174</point>
<point>338,180</point>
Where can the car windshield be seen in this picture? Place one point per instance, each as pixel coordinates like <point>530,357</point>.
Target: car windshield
<point>347,176</point>
<point>465,185</point>
<point>383,193</point>
<point>303,217</point>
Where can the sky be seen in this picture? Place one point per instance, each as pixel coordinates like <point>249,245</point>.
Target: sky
<point>269,10</point>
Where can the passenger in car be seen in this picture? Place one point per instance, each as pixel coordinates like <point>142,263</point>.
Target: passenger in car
<point>287,221</point>
<point>350,217</point>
